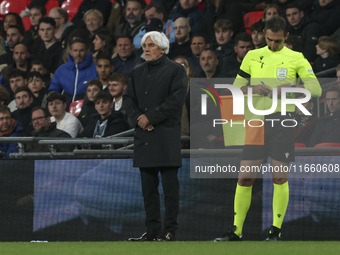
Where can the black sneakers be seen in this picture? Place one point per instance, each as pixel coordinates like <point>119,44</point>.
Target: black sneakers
<point>274,234</point>
<point>144,238</point>
<point>229,236</point>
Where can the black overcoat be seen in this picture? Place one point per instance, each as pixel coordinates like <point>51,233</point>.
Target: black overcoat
<point>158,90</point>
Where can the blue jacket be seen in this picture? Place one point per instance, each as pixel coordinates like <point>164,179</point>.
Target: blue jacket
<point>15,130</point>
<point>65,78</point>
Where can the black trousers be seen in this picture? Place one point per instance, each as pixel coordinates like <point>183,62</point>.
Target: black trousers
<point>150,182</point>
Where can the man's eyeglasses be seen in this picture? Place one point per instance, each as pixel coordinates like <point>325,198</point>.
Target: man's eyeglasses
<point>39,118</point>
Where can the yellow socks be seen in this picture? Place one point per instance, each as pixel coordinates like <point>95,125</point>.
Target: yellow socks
<point>280,203</point>
<point>242,203</point>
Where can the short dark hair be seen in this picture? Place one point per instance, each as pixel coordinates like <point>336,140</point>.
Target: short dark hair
<point>5,108</point>
<point>17,18</point>
<point>257,26</point>
<point>120,77</point>
<point>332,89</point>
<point>102,55</point>
<point>14,72</point>
<point>244,37</point>
<point>45,111</point>
<point>200,35</point>
<point>20,29</point>
<point>34,74</point>
<point>276,24</point>
<point>125,36</point>
<point>55,96</point>
<point>159,9</point>
<point>95,82</point>
<point>40,8</point>
<point>104,96</point>
<point>21,89</point>
<point>294,4</point>
<point>47,20</point>
<point>79,40</point>
<point>37,62</point>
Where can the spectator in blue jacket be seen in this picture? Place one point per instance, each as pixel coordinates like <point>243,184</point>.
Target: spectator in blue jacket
<point>73,76</point>
<point>8,128</point>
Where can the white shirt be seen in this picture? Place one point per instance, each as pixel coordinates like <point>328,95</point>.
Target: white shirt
<point>118,104</point>
<point>70,124</point>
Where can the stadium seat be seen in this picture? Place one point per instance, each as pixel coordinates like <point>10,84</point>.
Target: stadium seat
<point>27,22</point>
<point>300,145</point>
<point>250,18</point>
<point>324,145</point>
<point>71,6</point>
<point>17,6</point>
<point>75,107</point>
<point>50,5</point>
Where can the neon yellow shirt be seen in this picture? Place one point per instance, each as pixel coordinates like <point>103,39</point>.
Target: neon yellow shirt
<point>277,68</point>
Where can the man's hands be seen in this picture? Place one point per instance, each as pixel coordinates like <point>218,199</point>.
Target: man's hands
<point>144,123</point>
<point>261,89</point>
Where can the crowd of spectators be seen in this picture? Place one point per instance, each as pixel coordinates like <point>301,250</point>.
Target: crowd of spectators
<point>61,64</point>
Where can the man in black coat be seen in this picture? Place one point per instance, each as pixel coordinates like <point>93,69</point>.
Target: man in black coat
<point>157,91</point>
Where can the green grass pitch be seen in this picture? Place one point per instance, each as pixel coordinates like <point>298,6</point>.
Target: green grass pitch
<point>187,248</point>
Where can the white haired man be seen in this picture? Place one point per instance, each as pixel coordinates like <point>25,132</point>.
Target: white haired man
<point>157,91</point>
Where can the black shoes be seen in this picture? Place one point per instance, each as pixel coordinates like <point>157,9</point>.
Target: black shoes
<point>168,237</point>
<point>274,234</point>
<point>144,238</point>
<point>229,236</point>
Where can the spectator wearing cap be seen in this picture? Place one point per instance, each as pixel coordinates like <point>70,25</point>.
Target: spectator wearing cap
<point>56,104</point>
<point>156,10</point>
<point>126,58</point>
<point>153,24</point>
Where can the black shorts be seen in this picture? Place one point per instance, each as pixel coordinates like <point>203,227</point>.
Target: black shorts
<point>279,141</point>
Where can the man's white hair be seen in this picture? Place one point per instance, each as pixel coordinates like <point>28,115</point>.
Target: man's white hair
<point>159,39</point>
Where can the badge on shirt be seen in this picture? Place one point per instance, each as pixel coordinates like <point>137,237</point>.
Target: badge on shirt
<point>281,73</point>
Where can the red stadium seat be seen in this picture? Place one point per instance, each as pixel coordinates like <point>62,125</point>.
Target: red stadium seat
<point>250,18</point>
<point>71,6</point>
<point>50,5</point>
<point>17,6</point>
<point>300,145</point>
<point>27,23</point>
<point>324,145</point>
<point>75,107</point>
